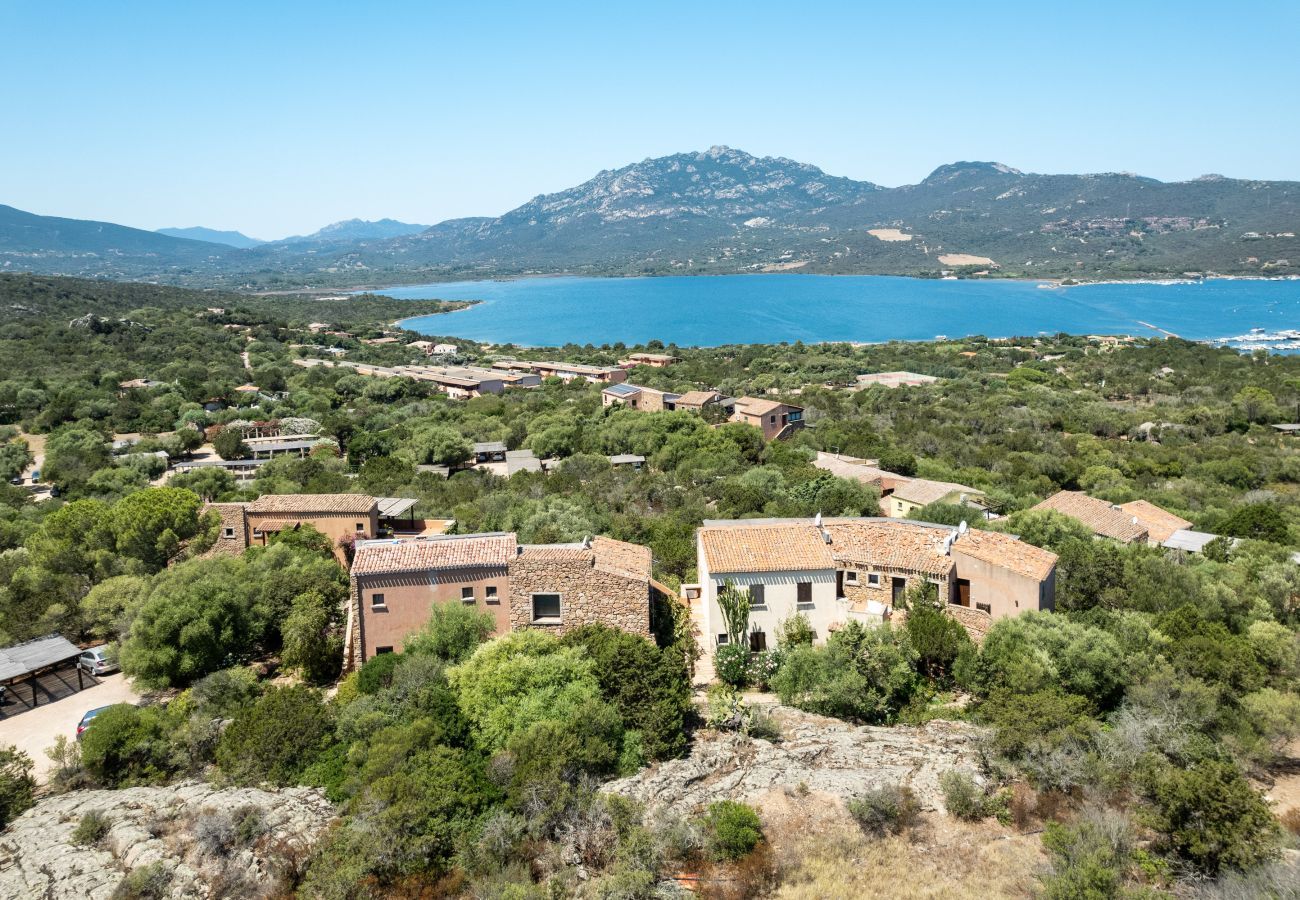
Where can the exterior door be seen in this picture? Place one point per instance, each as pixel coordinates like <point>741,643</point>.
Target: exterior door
<point>963,591</point>
<point>898,587</point>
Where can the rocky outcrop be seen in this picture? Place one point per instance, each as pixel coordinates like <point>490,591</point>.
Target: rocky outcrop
<point>815,754</point>
<point>200,840</point>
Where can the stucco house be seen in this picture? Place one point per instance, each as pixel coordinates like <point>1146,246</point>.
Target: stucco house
<point>773,418</point>
<point>835,570</point>
<point>337,516</point>
<point>554,587</point>
<point>637,397</point>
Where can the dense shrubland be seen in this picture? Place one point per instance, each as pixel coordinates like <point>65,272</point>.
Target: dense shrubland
<point>1140,719</point>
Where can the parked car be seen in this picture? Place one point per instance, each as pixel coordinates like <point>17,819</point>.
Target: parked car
<point>86,719</point>
<point>96,661</point>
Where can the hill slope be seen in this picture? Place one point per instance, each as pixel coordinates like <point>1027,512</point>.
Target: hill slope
<point>213,236</point>
<point>723,210</point>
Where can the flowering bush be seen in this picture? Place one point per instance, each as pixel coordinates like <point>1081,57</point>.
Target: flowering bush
<point>763,667</point>
<point>731,662</point>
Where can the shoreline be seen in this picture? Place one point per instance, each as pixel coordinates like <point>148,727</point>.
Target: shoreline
<point>1051,283</point>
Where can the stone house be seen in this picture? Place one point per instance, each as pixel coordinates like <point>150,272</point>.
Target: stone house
<point>337,516</point>
<point>556,587</point>
<point>773,418</point>
<point>636,397</point>
<point>835,570</point>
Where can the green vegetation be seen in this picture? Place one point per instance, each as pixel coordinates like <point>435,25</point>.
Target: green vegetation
<point>16,784</point>
<point>1163,686</point>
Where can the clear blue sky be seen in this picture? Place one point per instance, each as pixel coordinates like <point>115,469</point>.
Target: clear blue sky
<point>278,117</point>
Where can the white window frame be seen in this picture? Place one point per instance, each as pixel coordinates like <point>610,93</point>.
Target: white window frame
<point>490,594</point>
<point>228,532</point>
<point>467,598</point>
<point>873,579</point>
<point>723,638</point>
<point>851,577</point>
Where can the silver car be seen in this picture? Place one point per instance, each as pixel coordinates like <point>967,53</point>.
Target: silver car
<point>96,661</point>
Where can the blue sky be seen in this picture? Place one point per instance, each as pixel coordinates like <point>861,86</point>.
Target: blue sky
<point>278,117</point>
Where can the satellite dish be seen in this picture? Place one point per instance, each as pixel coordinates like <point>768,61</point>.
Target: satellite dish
<point>818,521</point>
<point>963,527</point>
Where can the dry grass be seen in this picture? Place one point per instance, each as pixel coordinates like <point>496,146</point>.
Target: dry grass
<point>888,234</point>
<point>821,853</point>
<point>965,259</point>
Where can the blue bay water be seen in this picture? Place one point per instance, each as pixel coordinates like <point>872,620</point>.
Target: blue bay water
<point>712,310</point>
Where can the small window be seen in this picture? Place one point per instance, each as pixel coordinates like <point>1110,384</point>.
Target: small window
<point>228,532</point>
<point>984,607</point>
<point>803,593</point>
<point>851,576</point>
<point>381,650</point>
<point>756,595</point>
<point>873,579</point>
<point>377,601</point>
<point>361,527</point>
<point>546,607</point>
<point>490,594</point>
<point>467,595</point>
<point>771,420</point>
<point>723,639</point>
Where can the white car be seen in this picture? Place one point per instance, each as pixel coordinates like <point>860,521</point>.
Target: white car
<point>96,661</point>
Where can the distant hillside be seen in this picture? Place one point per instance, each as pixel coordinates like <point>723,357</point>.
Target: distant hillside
<point>29,242</point>
<point>212,235</point>
<point>358,230</point>
<point>723,210</point>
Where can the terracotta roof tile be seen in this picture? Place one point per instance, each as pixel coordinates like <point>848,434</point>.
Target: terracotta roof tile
<point>764,547</point>
<point>890,545</point>
<point>698,398</point>
<point>452,552</point>
<point>1159,523</point>
<point>1103,518</point>
<point>312,503</point>
<point>1007,552</point>
<point>924,491</point>
<point>754,406</point>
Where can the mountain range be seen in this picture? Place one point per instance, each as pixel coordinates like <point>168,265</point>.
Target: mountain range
<point>212,235</point>
<point>723,210</point>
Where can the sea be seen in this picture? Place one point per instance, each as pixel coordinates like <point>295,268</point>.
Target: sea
<point>708,311</point>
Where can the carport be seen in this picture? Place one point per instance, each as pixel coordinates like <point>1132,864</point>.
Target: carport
<point>30,660</point>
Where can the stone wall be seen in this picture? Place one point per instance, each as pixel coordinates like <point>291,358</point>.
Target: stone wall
<point>234,521</point>
<point>587,595</point>
<point>976,622</point>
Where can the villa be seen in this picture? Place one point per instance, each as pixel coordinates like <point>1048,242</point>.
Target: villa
<point>1101,518</point>
<point>837,570</point>
<point>553,587</point>
<point>772,417</point>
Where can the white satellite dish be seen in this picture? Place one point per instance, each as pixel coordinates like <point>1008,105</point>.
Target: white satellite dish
<point>963,527</point>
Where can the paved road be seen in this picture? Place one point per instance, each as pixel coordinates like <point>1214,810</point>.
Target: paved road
<point>32,730</point>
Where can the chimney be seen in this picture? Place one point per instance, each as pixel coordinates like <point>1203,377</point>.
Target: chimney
<point>586,542</point>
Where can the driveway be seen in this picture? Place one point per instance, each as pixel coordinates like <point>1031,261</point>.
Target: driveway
<point>32,730</point>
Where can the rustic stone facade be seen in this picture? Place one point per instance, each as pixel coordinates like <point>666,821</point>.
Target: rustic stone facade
<point>232,533</point>
<point>976,621</point>
<point>588,593</point>
<point>858,594</point>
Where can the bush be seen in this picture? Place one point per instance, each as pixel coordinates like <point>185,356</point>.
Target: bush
<point>763,668</point>
<point>151,882</point>
<point>1210,816</point>
<point>937,638</point>
<point>225,692</point>
<point>731,663</point>
<point>888,809</point>
<point>861,674</point>
<point>16,784</point>
<point>377,672</point>
<point>795,631</point>
<point>277,738</point>
<point>1089,857</point>
<point>92,829</point>
<point>310,644</point>
<point>962,797</point>
<point>732,830</point>
<point>127,745</point>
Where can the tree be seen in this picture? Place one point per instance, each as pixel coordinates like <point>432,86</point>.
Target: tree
<point>519,679</point>
<point>72,455</point>
<point>311,644</point>
<point>453,632</point>
<point>936,637</point>
<point>210,483</point>
<point>648,686</point>
<point>229,444</point>
<point>1261,521</point>
<point>900,462</point>
<point>198,618</point>
<point>151,525</point>
<point>16,784</point>
<point>441,446</point>
<point>127,745</point>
